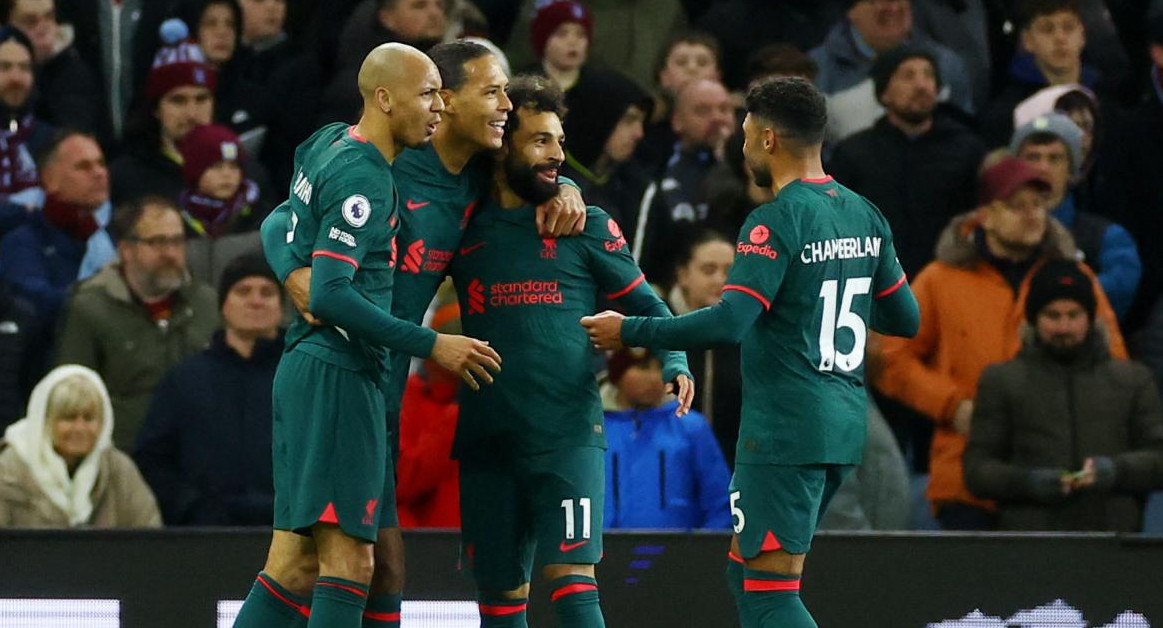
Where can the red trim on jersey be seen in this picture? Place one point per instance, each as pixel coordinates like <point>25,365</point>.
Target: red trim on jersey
<point>891,289</point>
<point>745,290</point>
<point>625,291</point>
<point>732,556</point>
<point>823,179</point>
<point>752,584</point>
<point>580,587</point>
<point>338,256</point>
<point>341,587</point>
<point>305,611</point>
<point>501,611</point>
<point>382,616</point>
<point>329,515</point>
<point>355,136</point>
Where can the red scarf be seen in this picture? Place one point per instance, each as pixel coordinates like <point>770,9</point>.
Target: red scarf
<point>73,219</point>
<point>212,217</point>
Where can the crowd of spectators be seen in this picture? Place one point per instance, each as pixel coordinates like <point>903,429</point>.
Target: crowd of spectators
<point>1015,149</point>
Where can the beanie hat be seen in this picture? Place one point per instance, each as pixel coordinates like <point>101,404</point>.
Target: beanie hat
<point>887,63</point>
<point>1058,125</point>
<point>1001,180</point>
<point>623,359</point>
<point>241,267</point>
<point>178,63</point>
<point>549,15</point>
<point>205,146</point>
<point>1059,279</point>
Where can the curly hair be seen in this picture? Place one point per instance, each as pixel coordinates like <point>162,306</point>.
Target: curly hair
<point>792,104</point>
<point>535,93</point>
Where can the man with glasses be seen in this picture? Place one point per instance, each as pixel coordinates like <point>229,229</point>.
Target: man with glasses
<point>140,315</point>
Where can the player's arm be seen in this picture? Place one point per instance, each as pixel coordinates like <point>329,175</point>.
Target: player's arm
<point>894,307</point>
<point>276,232</point>
<point>564,214</point>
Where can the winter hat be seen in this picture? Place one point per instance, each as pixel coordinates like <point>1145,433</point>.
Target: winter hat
<point>178,63</point>
<point>1059,279</point>
<point>887,63</point>
<point>1058,125</point>
<point>622,359</point>
<point>1003,179</point>
<point>553,13</point>
<point>241,267</point>
<point>205,146</point>
<point>599,101</point>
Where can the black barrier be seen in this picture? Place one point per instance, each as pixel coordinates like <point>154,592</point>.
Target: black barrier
<point>175,578</point>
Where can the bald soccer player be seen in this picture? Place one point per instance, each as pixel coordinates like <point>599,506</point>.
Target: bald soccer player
<point>329,433</point>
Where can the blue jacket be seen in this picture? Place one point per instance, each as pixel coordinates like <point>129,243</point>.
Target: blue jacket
<point>205,447</point>
<point>40,262</point>
<point>664,472</point>
<point>1109,249</point>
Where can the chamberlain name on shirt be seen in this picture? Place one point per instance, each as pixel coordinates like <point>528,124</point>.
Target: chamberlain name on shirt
<point>840,248</point>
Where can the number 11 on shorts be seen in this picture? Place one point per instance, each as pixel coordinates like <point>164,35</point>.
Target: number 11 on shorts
<point>570,528</point>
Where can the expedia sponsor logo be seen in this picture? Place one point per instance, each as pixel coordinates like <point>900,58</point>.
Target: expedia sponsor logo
<point>616,245</point>
<point>522,293</point>
<point>744,248</point>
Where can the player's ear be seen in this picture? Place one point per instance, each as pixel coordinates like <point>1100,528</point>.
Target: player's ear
<point>383,99</point>
<point>770,141</point>
<point>449,101</point>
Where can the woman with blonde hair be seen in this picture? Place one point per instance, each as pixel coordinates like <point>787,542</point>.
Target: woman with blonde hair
<point>58,466</point>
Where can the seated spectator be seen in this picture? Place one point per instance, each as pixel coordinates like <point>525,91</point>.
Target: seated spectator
<point>870,29</point>
<point>1052,144</point>
<point>675,206</point>
<point>1052,38</point>
<point>262,28</point>
<point>205,446</point>
<point>66,241</point>
<point>561,33</point>
<point>973,296</point>
<point>428,490</point>
<point>21,356</point>
<point>68,90</point>
<point>700,273</point>
<point>916,164</point>
<point>1064,437</point>
<point>22,134</point>
<point>970,28</point>
<point>179,96</point>
<point>139,316</point>
<point>731,190</point>
<point>662,471</point>
<point>221,206</point>
<point>775,60</point>
<point>605,125</point>
<point>58,465</point>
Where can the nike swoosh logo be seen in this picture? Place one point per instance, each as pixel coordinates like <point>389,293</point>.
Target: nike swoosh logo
<point>564,547</point>
<point>413,205</point>
<point>465,250</point>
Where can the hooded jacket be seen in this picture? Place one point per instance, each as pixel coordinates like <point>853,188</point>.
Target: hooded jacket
<point>36,489</point>
<point>970,318</point>
<point>1035,412</point>
<point>664,471</point>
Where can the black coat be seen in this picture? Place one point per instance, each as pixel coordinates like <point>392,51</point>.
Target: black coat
<point>20,355</point>
<point>70,95</point>
<point>919,184</point>
<point>205,447</point>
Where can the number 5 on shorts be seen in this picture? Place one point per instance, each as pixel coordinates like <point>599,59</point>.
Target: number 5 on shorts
<point>737,514</point>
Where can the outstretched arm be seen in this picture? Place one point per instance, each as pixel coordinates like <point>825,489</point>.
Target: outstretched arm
<point>726,322</point>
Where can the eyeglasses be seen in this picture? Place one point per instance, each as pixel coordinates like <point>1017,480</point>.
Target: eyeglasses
<point>160,241</point>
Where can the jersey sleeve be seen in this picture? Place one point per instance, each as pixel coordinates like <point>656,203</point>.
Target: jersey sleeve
<point>357,214</point>
<point>276,231</point>
<point>889,276</point>
<point>762,255</point>
<point>613,268</point>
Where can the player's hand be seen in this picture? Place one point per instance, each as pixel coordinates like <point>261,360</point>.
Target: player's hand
<point>468,357</point>
<point>299,287</point>
<point>562,215</point>
<point>605,329</point>
<point>685,392</point>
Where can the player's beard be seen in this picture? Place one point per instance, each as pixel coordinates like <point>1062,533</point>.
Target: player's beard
<point>761,174</point>
<point>526,182</point>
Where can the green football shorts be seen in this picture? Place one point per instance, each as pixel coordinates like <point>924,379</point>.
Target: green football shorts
<point>777,507</point>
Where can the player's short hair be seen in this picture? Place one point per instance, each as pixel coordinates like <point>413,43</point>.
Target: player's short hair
<point>128,214</point>
<point>535,93</point>
<point>793,105</point>
<point>47,153</point>
<point>696,37</point>
<point>450,58</point>
<point>781,59</point>
<point>1030,10</point>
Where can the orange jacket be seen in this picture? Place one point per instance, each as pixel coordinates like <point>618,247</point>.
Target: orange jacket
<point>970,318</point>
<point>428,489</point>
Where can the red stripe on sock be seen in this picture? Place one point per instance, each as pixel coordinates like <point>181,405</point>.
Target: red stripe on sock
<point>735,557</point>
<point>382,616</point>
<point>303,610</point>
<point>501,611</point>
<point>751,584</point>
<point>580,587</point>
<point>343,587</point>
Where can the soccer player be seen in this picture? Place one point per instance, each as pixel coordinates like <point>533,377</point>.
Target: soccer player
<point>814,269</point>
<point>329,433</point>
<point>441,184</point>
<point>531,446</point>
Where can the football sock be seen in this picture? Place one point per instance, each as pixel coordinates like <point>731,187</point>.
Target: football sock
<point>268,604</point>
<point>772,600</point>
<point>735,580</point>
<point>337,603</point>
<point>382,610</point>
<point>499,612</point>
<point>575,602</point>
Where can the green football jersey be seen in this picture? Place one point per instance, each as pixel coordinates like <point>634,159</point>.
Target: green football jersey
<point>343,205</point>
<point>524,294</point>
<point>815,257</point>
